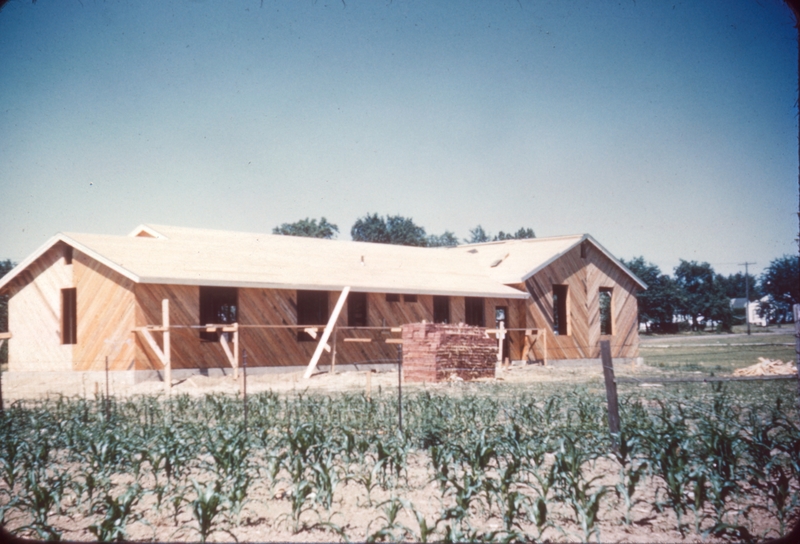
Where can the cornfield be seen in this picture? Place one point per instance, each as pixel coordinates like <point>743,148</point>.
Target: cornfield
<point>498,464</point>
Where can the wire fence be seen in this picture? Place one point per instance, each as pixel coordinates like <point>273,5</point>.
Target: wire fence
<point>669,363</point>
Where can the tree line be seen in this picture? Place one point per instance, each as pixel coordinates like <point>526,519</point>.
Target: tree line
<point>395,229</point>
<point>699,295</point>
<point>695,294</point>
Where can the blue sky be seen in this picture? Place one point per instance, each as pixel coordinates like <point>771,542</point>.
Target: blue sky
<point>664,129</point>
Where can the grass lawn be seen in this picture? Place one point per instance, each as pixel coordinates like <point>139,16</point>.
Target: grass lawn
<point>720,354</point>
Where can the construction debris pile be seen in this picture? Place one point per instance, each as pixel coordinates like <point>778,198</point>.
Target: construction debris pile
<point>767,367</point>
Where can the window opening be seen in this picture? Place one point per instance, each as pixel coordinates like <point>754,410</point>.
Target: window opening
<point>312,309</point>
<point>68,255</point>
<point>606,321</point>
<point>218,305</point>
<point>392,297</point>
<point>473,311</point>
<point>560,313</point>
<point>357,310</point>
<point>69,316</point>
<point>409,298</point>
<point>441,309</point>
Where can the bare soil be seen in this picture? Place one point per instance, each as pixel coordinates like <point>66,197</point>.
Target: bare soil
<point>267,515</point>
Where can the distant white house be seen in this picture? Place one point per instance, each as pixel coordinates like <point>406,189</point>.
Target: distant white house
<point>752,310</point>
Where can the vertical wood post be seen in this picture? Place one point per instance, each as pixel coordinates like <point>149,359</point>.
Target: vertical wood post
<point>167,357</point>
<point>796,315</point>
<point>501,335</point>
<point>333,356</point>
<point>611,391</point>
<point>1,379</point>
<point>544,335</point>
<point>235,350</point>
<point>369,384</point>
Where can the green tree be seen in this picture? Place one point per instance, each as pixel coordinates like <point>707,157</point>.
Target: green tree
<point>448,239</point>
<point>702,295</point>
<point>735,287</point>
<point>657,304</point>
<point>5,268</point>
<point>478,235</point>
<point>522,234</point>
<point>394,229</point>
<point>308,228</point>
<point>781,285</point>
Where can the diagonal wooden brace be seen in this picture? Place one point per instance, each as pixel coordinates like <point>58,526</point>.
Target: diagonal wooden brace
<point>323,342</point>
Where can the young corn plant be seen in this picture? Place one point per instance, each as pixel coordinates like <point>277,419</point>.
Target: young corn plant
<point>669,447</point>
<point>231,453</point>
<point>117,513</point>
<point>578,491</point>
<point>392,454</point>
<point>206,507</point>
<point>301,497</point>
<point>631,470</point>
<point>11,455</point>
<point>41,498</point>
<point>368,476</point>
<point>391,529</point>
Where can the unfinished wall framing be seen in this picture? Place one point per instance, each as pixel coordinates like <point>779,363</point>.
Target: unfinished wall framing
<point>390,287</point>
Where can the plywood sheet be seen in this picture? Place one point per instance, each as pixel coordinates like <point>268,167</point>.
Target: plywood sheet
<point>35,315</point>
<point>106,310</point>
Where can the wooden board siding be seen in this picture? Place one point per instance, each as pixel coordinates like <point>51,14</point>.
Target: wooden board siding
<point>187,349</point>
<point>516,319</point>
<point>584,278</point>
<point>106,308</point>
<point>280,347</point>
<point>34,315</point>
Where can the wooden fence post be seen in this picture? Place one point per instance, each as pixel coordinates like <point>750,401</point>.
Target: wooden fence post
<point>333,355</point>
<point>3,337</point>
<point>796,315</point>
<point>611,391</point>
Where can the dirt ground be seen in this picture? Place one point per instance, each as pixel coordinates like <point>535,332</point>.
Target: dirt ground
<point>266,517</point>
<point>322,382</point>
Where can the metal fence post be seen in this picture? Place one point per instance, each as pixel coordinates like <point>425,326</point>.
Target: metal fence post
<point>107,391</point>
<point>400,393</point>
<point>244,385</point>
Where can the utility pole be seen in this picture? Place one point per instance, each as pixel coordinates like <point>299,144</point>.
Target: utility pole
<point>746,295</point>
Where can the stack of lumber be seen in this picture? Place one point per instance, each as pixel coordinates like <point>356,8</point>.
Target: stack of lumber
<point>767,367</point>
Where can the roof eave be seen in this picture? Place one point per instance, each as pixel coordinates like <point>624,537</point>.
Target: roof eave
<point>61,237</point>
<point>513,293</point>
<point>597,244</point>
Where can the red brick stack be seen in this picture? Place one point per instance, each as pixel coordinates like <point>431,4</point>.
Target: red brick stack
<point>438,352</point>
